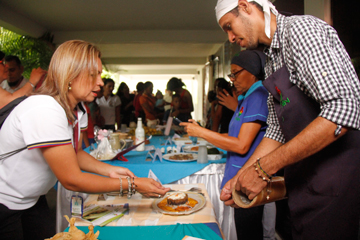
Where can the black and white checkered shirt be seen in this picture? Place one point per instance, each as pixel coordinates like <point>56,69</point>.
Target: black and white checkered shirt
<point>319,65</point>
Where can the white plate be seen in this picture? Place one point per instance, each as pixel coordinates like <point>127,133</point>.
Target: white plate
<point>214,157</point>
<point>197,196</point>
<point>188,148</point>
<point>167,157</point>
<point>187,141</point>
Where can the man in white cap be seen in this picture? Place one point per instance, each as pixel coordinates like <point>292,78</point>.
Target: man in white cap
<point>314,118</point>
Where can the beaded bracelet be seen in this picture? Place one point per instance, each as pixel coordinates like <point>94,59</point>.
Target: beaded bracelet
<point>121,188</point>
<point>262,170</point>
<point>129,194</point>
<point>133,186</point>
<point>268,186</point>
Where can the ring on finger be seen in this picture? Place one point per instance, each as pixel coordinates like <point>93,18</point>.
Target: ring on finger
<point>159,196</point>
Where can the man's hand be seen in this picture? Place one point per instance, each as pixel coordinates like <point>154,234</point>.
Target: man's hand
<point>226,193</point>
<point>249,182</point>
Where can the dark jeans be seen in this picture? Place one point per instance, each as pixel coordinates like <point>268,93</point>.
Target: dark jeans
<point>248,223</point>
<point>34,223</point>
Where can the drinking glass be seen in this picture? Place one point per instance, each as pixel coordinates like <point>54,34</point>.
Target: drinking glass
<point>193,139</point>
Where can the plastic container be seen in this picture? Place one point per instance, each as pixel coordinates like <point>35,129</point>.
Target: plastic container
<point>202,154</point>
<point>140,136</point>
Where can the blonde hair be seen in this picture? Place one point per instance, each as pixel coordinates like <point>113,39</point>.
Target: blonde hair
<point>70,60</point>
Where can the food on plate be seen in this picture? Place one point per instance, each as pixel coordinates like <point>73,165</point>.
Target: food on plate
<point>75,233</point>
<point>182,157</point>
<point>196,148</point>
<point>148,131</point>
<point>187,206</point>
<point>213,151</point>
<point>177,198</point>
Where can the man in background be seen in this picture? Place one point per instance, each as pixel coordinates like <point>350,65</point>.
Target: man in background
<point>15,79</point>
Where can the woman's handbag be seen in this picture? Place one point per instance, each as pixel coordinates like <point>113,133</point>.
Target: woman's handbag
<point>274,191</point>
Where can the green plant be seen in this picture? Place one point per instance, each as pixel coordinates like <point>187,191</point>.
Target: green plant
<point>32,52</point>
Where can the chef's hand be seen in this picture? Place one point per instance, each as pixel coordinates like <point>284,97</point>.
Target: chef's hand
<point>150,188</point>
<point>249,182</point>
<point>226,194</point>
<point>117,172</point>
<point>227,100</point>
<point>192,128</point>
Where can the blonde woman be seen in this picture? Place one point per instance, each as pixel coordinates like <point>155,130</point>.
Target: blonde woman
<point>47,125</point>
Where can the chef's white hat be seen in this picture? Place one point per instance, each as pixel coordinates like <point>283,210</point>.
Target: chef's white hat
<point>225,6</point>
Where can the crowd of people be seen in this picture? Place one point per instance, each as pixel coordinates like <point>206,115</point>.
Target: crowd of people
<point>284,111</point>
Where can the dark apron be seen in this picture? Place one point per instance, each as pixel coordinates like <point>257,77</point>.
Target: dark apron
<point>323,189</point>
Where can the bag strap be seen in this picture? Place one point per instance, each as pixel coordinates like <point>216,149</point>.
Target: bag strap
<point>4,113</point>
<point>6,110</point>
<point>9,154</point>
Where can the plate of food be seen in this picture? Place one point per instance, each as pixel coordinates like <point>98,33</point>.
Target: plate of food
<point>179,203</point>
<point>213,153</point>
<point>180,157</point>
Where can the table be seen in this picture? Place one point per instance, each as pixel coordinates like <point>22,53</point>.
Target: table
<point>210,174</point>
<point>203,224</point>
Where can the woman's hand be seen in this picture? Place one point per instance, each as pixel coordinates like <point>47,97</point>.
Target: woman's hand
<point>227,100</point>
<point>150,188</point>
<point>192,128</point>
<point>117,172</point>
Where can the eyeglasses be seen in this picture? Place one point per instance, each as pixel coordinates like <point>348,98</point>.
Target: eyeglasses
<point>233,75</point>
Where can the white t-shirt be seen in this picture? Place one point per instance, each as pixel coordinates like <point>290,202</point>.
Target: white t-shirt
<point>107,108</point>
<point>38,121</point>
<point>6,87</point>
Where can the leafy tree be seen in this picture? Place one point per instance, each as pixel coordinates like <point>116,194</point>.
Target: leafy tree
<point>32,52</point>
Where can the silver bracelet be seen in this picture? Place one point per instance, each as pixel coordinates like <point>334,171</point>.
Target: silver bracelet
<point>121,189</point>
<point>33,86</point>
<point>129,194</point>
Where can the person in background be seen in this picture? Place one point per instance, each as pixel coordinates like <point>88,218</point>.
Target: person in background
<point>314,118</point>
<point>110,105</point>
<point>160,103</point>
<point>14,80</point>
<point>246,129</point>
<point>6,96</point>
<point>222,115</point>
<point>176,85</point>
<point>147,101</point>
<point>211,96</point>
<point>127,106</point>
<point>174,111</point>
<point>167,98</point>
<point>88,132</point>
<point>139,112</point>
<point>44,130</point>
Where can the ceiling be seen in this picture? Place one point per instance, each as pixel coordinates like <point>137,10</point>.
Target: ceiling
<point>135,37</point>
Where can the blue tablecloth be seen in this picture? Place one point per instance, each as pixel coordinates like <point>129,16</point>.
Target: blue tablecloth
<point>207,231</point>
<point>166,171</point>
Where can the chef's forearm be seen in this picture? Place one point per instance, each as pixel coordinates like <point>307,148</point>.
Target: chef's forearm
<point>316,136</point>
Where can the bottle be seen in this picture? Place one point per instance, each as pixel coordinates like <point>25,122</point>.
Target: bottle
<point>140,136</point>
